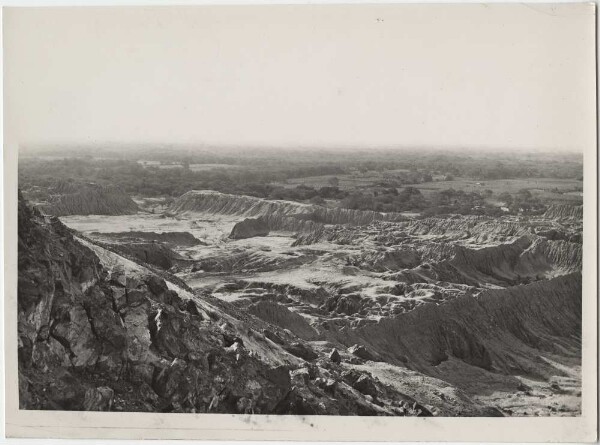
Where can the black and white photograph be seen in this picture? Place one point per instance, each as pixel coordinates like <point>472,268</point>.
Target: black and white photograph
<point>307,210</point>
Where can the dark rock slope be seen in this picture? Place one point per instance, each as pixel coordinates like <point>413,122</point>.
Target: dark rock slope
<point>172,239</point>
<point>98,332</point>
<point>249,228</point>
<point>150,253</point>
<point>68,198</point>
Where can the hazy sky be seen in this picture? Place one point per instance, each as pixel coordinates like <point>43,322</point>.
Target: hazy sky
<point>491,76</point>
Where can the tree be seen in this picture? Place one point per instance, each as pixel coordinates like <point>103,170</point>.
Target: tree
<point>317,200</point>
<point>506,198</point>
<point>334,181</point>
<point>524,194</point>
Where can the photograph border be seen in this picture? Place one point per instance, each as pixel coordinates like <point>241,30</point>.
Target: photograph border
<point>68,424</point>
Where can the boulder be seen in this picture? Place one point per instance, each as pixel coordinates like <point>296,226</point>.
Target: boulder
<point>300,377</point>
<point>361,352</point>
<point>334,356</point>
<point>98,399</point>
<point>327,384</point>
<point>273,337</point>
<point>301,350</point>
<point>64,392</point>
<point>191,308</point>
<point>248,228</point>
<point>365,385</point>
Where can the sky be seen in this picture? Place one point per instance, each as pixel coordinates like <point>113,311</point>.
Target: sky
<point>484,77</point>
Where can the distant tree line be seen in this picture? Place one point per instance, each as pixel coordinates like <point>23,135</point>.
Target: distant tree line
<point>395,191</point>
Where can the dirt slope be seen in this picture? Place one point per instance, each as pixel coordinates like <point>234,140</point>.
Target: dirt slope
<point>88,199</point>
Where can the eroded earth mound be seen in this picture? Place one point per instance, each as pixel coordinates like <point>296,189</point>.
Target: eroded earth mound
<point>70,198</point>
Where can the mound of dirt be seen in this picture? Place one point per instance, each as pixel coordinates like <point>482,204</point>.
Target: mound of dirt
<point>68,198</point>
<point>206,201</point>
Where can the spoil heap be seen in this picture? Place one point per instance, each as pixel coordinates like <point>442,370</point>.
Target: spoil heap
<point>68,198</point>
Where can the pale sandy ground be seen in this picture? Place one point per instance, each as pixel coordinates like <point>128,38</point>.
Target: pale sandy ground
<point>441,398</point>
<point>560,396</point>
<point>212,230</point>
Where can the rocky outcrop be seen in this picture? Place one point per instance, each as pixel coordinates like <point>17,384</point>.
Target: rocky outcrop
<point>249,228</point>
<point>68,198</point>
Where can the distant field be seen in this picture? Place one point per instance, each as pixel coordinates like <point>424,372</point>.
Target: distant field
<point>345,182</point>
<point>545,188</point>
<point>552,189</point>
<point>193,167</point>
<point>204,167</point>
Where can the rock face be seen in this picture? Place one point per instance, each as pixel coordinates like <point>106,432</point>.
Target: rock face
<point>69,198</point>
<point>249,228</point>
<point>150,253</point>
<point>99,332</point>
